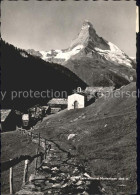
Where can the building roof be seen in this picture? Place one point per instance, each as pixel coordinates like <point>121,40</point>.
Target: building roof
<point>58,101</point>
<point>4,114</point>
<point>93,90</point>
<point>45,107</point>
<point>81,94</point>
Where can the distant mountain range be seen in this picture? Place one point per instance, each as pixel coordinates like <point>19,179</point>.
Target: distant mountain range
<point>93,59</point>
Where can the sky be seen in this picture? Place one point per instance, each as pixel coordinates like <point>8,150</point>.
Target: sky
<point>46,25</point>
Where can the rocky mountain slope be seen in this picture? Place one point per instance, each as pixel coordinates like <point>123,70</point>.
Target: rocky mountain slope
<point>89,53</point>
<point>102,136</point>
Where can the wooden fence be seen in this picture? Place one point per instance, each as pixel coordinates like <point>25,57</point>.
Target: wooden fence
<point>42,145</point>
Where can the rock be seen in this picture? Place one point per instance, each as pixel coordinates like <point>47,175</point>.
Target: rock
<point>56,186</point>
<point>71,136</point>
<point>32,177</point>
<point>55,169</point>
<point>45,167</point>
<point>102,190</point>
<point>85,193</point>
<point>54,178</point>
<point>75,178</point>
<point>79,183</point>
<point>87,175</point>
<point>64,186</point>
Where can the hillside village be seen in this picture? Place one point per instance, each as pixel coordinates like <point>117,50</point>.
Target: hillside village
<point>13,119</point>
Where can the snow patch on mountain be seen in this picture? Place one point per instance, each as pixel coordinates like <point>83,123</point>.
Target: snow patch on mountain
<point>114,55</point>
<point>59,54</point>
<point>67,55</point>
<point>44,54</point>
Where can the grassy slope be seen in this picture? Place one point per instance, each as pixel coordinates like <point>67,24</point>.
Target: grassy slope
<point>106,137</point>
<point>13,144</point>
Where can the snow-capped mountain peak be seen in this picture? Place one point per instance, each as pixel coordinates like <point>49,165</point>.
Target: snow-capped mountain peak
<point>87,43</point>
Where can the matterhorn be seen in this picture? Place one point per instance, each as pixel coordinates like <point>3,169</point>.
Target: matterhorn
<point>95,60</point>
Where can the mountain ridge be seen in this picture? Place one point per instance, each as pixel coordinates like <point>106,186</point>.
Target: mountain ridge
<point>88,40</point>
<point>99,53</point>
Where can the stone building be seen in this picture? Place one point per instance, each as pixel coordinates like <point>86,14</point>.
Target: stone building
<point>57,104</point>
<point>76,100</point>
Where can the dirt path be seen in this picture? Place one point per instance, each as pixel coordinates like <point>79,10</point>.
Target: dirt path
<point>59,174</point>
